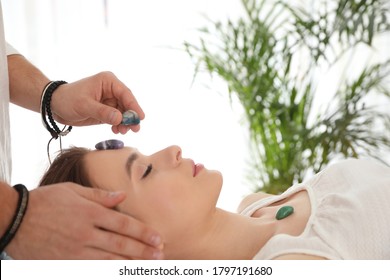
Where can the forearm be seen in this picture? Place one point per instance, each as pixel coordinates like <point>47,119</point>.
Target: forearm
<point>8,202</point>
<point>26,82</point>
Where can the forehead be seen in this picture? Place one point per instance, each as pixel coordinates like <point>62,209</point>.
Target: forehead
<point>108,167</point>
<point>106,158</point>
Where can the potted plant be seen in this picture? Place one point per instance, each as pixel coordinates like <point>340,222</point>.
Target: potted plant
<point>273,59</point>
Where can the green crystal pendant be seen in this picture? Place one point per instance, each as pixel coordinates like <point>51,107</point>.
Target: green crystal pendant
<point>284,212</point>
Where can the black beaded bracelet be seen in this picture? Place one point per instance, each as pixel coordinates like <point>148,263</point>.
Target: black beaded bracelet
<point>46,112</point>
<point>18,217</point>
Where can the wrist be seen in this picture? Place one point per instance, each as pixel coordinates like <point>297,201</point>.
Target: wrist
<point>47,112</point>
<point>8,202</point>
<point>17,217</point>
<point>57,99</point>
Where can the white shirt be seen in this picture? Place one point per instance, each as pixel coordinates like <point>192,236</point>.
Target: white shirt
<point>5,138</point>
<point>349,214</point>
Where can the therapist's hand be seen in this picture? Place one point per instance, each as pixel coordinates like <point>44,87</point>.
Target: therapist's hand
<point>68,221</point>
<point>101,98</point>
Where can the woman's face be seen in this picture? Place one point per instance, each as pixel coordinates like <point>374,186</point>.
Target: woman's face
<point>172,194</point>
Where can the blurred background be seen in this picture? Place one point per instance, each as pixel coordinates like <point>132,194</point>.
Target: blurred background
<point>142,42</point>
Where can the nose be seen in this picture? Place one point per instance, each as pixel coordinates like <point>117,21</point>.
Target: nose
<point>171,155</point>
<point>175,153</point>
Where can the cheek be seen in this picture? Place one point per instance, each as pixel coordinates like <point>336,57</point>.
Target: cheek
<point>159,200</point>
<point>166,195</point>
<point>174,204</point>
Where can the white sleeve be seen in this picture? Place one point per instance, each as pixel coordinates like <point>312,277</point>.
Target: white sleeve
<point>10,49</point>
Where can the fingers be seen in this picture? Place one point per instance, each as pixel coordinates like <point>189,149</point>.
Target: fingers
<point>117,233</point>
<point>128,226</point>
<point>96,254</point>
<point>123,94</point>
<point>120,246</point>
<point>104,113</point>
<point>123,129</point>
<point>101,98</point>
<point>127,100</point>
<point>112,86</point>
<point>107,114</point>
<point>105,198</point>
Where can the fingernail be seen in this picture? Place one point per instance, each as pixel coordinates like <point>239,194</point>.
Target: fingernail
<point>114,194</point>
<point>155,240</point>
<point>112,117</point>
<point>158,255</point>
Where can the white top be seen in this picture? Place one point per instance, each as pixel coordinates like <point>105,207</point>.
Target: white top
<point>5,138</point>
<point>350,214</point>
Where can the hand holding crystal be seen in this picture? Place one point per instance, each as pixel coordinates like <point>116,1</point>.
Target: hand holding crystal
<point>101,98</point>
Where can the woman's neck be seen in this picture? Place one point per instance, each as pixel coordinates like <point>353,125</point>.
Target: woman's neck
<point>225,236</point>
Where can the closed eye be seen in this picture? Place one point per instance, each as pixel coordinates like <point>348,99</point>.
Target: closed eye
<point>147,171</point>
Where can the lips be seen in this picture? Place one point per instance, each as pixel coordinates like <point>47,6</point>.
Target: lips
<point>197,168</point>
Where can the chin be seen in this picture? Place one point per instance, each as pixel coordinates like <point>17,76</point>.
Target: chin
<point>220,177</point>
<point>217,180</point>
<point>215,176</point>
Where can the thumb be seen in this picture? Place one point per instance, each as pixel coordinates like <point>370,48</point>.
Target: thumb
<point>104,113</point>
<point>105,198</point>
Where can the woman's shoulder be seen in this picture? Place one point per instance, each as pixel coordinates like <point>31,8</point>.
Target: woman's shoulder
<point>367,164</point>
<point>249,199</point>
<point>358,170</point>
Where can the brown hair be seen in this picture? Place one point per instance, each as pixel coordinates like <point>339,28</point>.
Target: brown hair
<point>68,166</point>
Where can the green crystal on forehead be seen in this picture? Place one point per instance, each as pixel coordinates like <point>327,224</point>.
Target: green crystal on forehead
<point>284,212</point>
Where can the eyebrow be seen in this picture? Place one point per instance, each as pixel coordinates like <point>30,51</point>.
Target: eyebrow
<point>129,162</point>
